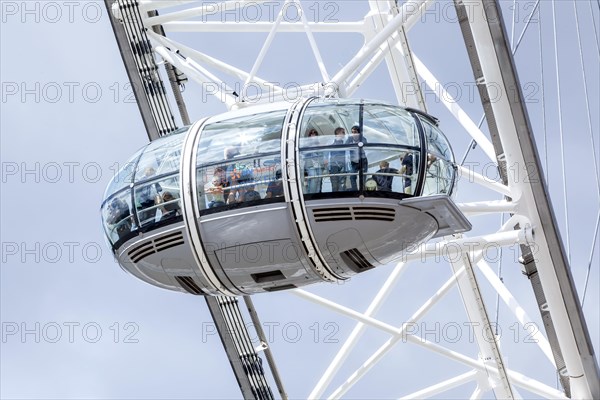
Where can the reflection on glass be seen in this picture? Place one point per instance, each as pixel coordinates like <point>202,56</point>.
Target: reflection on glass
<point>124,177</point>
<point>160,157</point>
<point>145,199</point>
<point>409,165</point>
<point>436,141</point>
<point>440,162</point>
<point>275,187</point>
<point>439,176</point>
<point>117,217</point>
<point>170,206</point>
<point>241,136</point>
<point>326,120</point>
<point>389,125</point>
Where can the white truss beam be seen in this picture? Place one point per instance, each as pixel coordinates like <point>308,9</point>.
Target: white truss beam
<point>514,131</point>
<point>517,310</point>
<point>477,312</point>
<point>442,387</point>
<point>515,377</point>
<point>356,333</point>
<point>390,343</point>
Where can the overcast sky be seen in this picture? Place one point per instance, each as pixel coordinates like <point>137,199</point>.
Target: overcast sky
<point>74,325</point>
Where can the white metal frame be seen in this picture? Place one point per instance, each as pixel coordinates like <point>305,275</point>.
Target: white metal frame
<point>384,29</point>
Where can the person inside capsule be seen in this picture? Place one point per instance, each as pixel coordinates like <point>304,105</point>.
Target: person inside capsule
<point>357,156</point>
<point>407,170</point>
<point>249,193</point>
<point>313,164</point>
<point>215,189</point>
<point>238,176</point>
<point>336,162</point>
<point>170,206</point>
<point>275,188</point>
<point>384,176</point>
<point>147,198</point>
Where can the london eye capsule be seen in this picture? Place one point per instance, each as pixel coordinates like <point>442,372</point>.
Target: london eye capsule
<point>280,196</point>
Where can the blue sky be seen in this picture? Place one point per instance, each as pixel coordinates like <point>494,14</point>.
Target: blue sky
<point>75,326</point>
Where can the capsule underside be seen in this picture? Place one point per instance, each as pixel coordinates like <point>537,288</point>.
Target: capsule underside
<point>268,204</point>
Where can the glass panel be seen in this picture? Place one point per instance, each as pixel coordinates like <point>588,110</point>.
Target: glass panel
<point>436,141</point>
<point>157,200</point>
<point>391,170</point>
<point>390,125</point>
<point>244,181</point>
<point>409,162</point>
<point>314,169</point>
<point>118,217</point>
<point>332,169</point>
<point>351,159</point>
<point>337,165</point>
<point>325,120</point>
<point>162,156</point>
<point>439,176</point>
<point>124,177</point>
<point>169,201</point>
<point>241,136</point>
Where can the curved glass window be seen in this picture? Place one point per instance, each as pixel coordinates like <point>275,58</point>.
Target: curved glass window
<point>117,217</point>
<point>369,148</point>
<point>124,177</point>
<point>239,161</point>
<point>158,200</point>
<point>153,176</point>
<point>440,172</point>
<point>160,157</point>
<point>391,125</point>
<point>239,183</point>
<point>330,156</point>
<point>439,176</point>
<point>241,136</point>
<point>436,141</point>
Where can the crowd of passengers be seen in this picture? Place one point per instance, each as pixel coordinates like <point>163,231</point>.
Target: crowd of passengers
<point>343,166</point>
<point>236,182</point>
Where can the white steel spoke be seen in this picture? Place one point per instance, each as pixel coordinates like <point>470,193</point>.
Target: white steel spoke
<point>519,379</point>
<point>383,350</point>
<point>266,45</point>
<point>261,27</point>
<point>209,9</point>
<point>358,330</point>
<point>486,182</point>
<point>455,109</point>
<point>489,351</point>
<point>487,207</point>
<point>442,387</point>
<point>373,45</point>
<point>518,311</point>
<point>313,43</point>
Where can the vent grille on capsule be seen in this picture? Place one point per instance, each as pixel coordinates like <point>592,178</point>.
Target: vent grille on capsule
<point>356,260</point>
<point>154,246</point>
<point>187,282</point>
<point>277,288</point>
<point>354,213</point>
